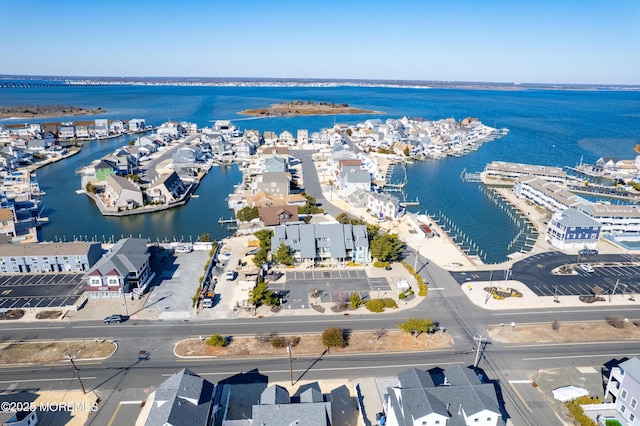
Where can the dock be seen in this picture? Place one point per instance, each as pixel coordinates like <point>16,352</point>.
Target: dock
<point>223,221</point>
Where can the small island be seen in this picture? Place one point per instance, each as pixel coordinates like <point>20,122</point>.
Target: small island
<point>299,108</point>
<point>32,111</point>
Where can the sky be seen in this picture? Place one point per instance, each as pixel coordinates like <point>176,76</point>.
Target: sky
<point>544,41</point>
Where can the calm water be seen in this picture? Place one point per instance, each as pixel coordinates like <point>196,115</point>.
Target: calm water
<point>546,127</point>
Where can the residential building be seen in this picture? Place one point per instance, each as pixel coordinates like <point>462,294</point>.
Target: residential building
<point>122,193</point>
<point>570,229</point>
<point>168,188</point>
<point>124,269</point>
<point>461,399</point>
<point>624,387</point>
<point>265,199</point>
<point>184,399</point>
<point>136,124</point>
<point>615,219</point>
<point>105,168</point>
<point>67,131</point>
<point>273,183</point>
<point>101,128</point>
<point>275,164</point>
<point>278,215</point>
<point>276,408</point>
<point>512,171</point>
<point>550,195</point>
<point>270,138</point>
<point>303,136</point>
<point>332,243</point>
<point>352,178</point>
<point>384,205</point>
<point>252,135</point>
<point>48,257</point>
<point>286,137</point>
<point>7,222</point>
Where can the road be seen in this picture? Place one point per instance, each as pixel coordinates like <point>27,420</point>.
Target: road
<point>125,378</point>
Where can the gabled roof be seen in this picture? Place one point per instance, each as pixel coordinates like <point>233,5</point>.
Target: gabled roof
<point>127,255</point>
<point>274,394</point>
<point>270,215</point>
<point>167,179</point>
<point>118,183</point>
<point>632,368</point>
<point>183,399</point>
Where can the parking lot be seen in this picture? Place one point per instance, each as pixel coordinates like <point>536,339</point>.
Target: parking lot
<point>615,274</point>
<point>333,286</point>
<point>40,290</point>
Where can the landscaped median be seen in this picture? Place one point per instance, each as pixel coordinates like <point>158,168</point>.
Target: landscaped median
<point>268,345</point>
<point>55,351</point>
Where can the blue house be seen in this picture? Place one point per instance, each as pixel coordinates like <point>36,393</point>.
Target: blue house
<point>571,229</point>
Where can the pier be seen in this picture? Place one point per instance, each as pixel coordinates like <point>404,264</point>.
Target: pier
<point>222,221</point>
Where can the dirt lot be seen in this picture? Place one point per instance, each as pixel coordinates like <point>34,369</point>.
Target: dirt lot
<point>297,109</point>
<point>566,332</point>
<point>43,352</point>
<point>312,344</point>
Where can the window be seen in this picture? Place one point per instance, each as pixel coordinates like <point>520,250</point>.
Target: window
<point>634,402</point>
<point>631,417</point>
<point>488,419</point>
<point>623,394</point>
<point>623,408</point>
<point>476,420</point>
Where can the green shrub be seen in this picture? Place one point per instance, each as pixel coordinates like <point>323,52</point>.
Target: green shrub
<point>279,342</point>
<point>378,264</point>
<point>217,340</point>
<point>375,305</point>
<point>389,303</point>
<point>294,341</point>
<point>574,407</point>
<point>402,296</point>
<point>334,336</point>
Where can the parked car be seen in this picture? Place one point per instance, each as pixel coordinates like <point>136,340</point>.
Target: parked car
<point>231,275</point>
<point>588,252</point>
<point>587,268</point>
<point>114,318</point>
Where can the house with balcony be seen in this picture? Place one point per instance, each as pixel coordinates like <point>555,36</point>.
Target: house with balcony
<point>278,215</point>
<point>624,387</point>
<point>277,183</point>
<point>125,268</point>
<point>303,136</point>
<point>67,131</point>
<point>384,205</point>
<point>352,178</point>
<point>286,137</point>
<point>136,125</point>
<point>457,397</point>
<point>73,256</point>
<point>571,229</point>
<point>617,220</point>
<point>7,222</point>
<point>166,189</point>
<point>269,138</point>
<point>549,195</point>
<point>332,243</point>
<point>121,193</point>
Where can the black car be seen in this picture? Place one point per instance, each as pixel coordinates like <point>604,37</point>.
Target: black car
<point>588,252</point>
<point>114,318</point>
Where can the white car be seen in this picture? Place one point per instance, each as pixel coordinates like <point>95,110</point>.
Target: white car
<point>587,268</point>
<point>231,275</point>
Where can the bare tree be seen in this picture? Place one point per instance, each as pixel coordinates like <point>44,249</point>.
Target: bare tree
<point>597,291</point>
<point>555,326</point>
<point>379,333</point>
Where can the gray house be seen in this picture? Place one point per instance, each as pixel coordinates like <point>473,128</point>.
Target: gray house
<point>273,183</point>
<point>324,243</point>
<point>184,399</point>
<point>460,400</point>
<point>48,257</point>
<point>125,268</point>
<point>276,408</point>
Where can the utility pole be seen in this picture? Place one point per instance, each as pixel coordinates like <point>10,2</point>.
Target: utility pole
<point>480,341</point>
<point>615,287</point>
<point>77,373</point>
<point>415,265</point>
<point>290,364</point>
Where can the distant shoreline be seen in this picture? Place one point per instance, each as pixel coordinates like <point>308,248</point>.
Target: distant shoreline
<point>306,108</point>
<point>45,111</point>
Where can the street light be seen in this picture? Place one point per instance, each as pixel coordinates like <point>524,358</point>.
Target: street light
<point>76,372</point>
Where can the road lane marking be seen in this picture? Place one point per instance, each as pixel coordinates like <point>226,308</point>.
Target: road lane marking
<point>113,417</point>
<point>562,312</point>
<point>31,328</point>
<point>520,397</point>
<point>586,342</point>
<point>520,381</point>
<point>616,355</point>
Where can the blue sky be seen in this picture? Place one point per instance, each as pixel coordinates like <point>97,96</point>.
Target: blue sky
<point>559,41</point>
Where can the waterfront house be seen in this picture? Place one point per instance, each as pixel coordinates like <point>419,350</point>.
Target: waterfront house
<point>252,135</point>
<point>511,171</point>
<point>624,387</point>
<point>461,399</point>
<point>384,206</point>
<point>121,193</point>
<point>101,128</point>
<point>136,125</point>
<point>570,229</point>
<point>359,198</point>
<point>48,257</point>
<point>84,132</point>
<point>166,189</point>
<point>116,127</point>
<point>550,195</point>
<point>273,183</point>
<point>621,221</point>
<point>269,138</point>
<point>125,268</point>
<point>278,215</point>
<point>149,142</point>
<point>170,130</point>
<point>275,164</point>
<point>303,136</point>
<point>8,161</point>
<point>332,244</point>
<point>352,178</point>
<point>265,199</point>
<point>105,168</point>
<point>286,137</point>
<point>67,131</point>
<point>246,148</point>
<point>184,399</point>
<point>38,146</point>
